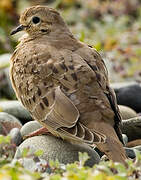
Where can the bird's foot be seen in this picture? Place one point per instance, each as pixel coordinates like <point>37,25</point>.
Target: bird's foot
<point>40,131</point>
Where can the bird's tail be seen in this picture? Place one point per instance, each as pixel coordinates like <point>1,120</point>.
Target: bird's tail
<point>112,147</point>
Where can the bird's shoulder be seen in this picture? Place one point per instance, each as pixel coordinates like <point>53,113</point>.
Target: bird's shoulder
<point>97,64</point>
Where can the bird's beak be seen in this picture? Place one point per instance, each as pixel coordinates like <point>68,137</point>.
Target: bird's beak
<point>19,28</point>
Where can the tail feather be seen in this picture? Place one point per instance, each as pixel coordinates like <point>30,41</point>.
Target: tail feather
<point>112,147</point>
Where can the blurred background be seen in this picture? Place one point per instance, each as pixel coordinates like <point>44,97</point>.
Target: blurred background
<point>113,27</point>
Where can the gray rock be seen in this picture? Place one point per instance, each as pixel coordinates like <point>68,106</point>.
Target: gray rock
<point>55,148</point>
<point>8,90</point>
<point>130,96</point>
<point>15,136</point>
<point>132,128</point>
<point>130,152</point>
<point>30,127</point>
<point>16,109</point>
<point>127,112</point>
<point>125,139</point>
<point>3,131</point>
<point>137,148</point>
<point>5,85</point>
<point>8,122</point>
<point>118,85</point>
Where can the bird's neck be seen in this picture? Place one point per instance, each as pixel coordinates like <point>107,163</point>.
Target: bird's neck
<point>59,39</point>
<point>64,40</point>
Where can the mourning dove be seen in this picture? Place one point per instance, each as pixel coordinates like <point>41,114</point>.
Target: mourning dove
<point>64,83</point>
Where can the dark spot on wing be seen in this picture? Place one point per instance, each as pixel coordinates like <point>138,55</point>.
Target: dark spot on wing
<point>29,101</point>
<point>44,83</point>
<point>65,78</point>
<point>73,75</point>
<point>53,94</point>
<point>95,56</point>
<point>34,98</point>
<point>45,100</point>
<point>71,67</point>
<point>94,68</point>
<point>63,66</point>
<point>42,106</point>
<point>98,76</point>
<point>39,91</point>
<point>65,88</point>
<point>55,70</point>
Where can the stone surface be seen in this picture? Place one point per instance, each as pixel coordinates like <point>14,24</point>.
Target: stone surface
<point>137,148</point>
<point>54,148</point>
<point>8,122</point>
<point>132,128</point>
<point>127,112</point>
<point>6,89</point>
<point>16,109</point>
<point>130,96</point>
<point>15,136</point>
<point>125,139</point>
<point>130,152</point>
<point>118,85</point>
<point>30,127</point>
<point>5,84</point>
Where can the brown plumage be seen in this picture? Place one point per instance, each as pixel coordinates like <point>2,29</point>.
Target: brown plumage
<point>64,83</point>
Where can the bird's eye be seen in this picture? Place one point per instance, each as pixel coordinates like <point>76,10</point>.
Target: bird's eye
<point>35,20</point>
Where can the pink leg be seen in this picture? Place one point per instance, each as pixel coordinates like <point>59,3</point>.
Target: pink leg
<point>40,131</point>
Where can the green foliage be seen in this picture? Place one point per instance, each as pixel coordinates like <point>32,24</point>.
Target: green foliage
<point>83,157</point>
<point>25,152</point>
<point>38,153</point>
<point>7,150</point>
<point>75,171</point>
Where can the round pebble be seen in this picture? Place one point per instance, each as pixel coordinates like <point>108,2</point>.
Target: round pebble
<point>118,85</point>
<point>16,109</point>
<point>15,136</point>
<point>125,139</point>
<point>55,148</point>
<point>130,152</point>
<point>29,127</point>
<point>137,148</point>
<point>132,128</point>
<point>127,112</point>
<point>8,122</point>
<point>130,96</point>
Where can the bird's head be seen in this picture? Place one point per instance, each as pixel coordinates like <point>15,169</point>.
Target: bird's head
<point>40,20</point>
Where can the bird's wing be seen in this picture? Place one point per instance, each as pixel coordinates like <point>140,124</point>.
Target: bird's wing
<point>63,112</point>
<point>63,118</point>
<point>53,108</point>
<point>97,64</point>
